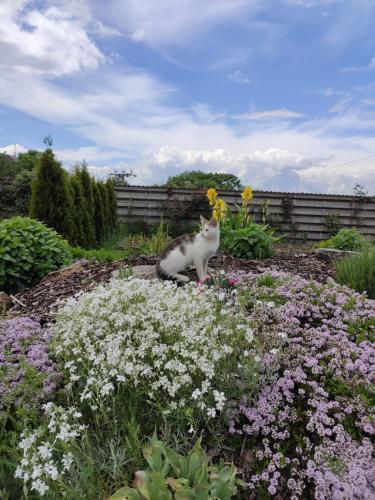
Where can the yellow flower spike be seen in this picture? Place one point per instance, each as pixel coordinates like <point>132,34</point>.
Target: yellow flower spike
<point>247,195</point>
<point>220,210</point>
<point>212,196</point>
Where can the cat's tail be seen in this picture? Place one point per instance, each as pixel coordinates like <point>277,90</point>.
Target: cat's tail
<point>161,273</point>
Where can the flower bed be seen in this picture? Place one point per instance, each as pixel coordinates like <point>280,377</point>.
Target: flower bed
<point>279,369</point>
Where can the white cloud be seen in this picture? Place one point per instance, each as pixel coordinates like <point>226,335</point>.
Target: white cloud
<point>53,41</point>
<point>238,77</point>
<point>272,114</point>
<point>13,149</point>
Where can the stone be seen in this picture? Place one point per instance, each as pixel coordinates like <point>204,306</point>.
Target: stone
<point>333,252</point>
<point>64,272</point>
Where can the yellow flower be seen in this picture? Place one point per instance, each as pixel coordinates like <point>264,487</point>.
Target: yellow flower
<point>219,210</point>
<point>212,196</point>
<point>247,195</point>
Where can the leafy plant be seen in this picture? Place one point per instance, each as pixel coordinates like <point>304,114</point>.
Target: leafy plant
<point>196,179</point>
<point>158,241</point>
<point>346,239</point>
<point>28,251</point>
<point>173,476</point>
<point>251,242</point>
<point>358,272</point>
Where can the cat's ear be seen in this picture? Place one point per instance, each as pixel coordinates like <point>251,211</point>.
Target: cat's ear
<point>203,220</point>
<point>214,222</point>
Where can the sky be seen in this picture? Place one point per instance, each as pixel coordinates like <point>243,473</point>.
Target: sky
<point>278,92</point>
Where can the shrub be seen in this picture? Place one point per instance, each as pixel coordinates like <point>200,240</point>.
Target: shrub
<point>309,429</point>
<point>173,476</point>
<point>27,373</point>
<point>28,251</point>
<point>51,200</point>
<point>99,213</point>
<point>346,239</point>
<point>187,339</point>
<point>358,272</point>
<point>197,179</point>
<point>88,220</point>
<point>251,242</point>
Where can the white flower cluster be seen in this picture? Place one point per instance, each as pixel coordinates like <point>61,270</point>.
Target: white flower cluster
<point>45,455</point>
<point>165,341</point>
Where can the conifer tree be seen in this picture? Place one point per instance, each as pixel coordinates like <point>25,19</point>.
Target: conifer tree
<point>106,211</point>
<point>99,213</point>
<point>112,200</point>
<point>51,200</point>
<point>81,216</point>
<point>89,218</point>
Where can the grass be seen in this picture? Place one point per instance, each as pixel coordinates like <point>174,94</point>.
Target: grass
<point>358,272</point>
<point>124,243</point>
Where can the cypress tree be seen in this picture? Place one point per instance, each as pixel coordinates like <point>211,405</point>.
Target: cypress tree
<point>80,211</point>
<point>106,211</point>
<point>112,200</point>
<point>99,213</point>
<point>51,200</point>
<point>87,187</point>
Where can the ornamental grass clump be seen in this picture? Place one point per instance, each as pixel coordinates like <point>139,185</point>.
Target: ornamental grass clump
<point>358,272</point>
<point>311,429</point>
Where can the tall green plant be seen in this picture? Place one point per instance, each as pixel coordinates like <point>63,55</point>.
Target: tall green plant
<point>358,272</point>
<point>99,217</point>
<point>89,219</point>
<point>112,200</point>
<point>51,200</point>
<point>106,210</point>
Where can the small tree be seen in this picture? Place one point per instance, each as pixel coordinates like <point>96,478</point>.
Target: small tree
<point>80,210</point>
<point>112,203</point>
<point>51,200</point>
<point>89,219</point>
<point>98,213</point>
<point>196,179</point>
<point>106,210</point>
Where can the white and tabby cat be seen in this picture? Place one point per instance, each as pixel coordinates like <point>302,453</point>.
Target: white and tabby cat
<point>190,250</point>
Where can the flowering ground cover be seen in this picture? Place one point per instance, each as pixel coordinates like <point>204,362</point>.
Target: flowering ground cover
<point>271,370</point>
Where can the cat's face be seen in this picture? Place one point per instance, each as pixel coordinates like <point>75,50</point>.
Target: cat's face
<point>210,228</point>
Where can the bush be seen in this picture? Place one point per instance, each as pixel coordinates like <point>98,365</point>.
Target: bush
<point>28,251</point>
<point>358,272</point>
<point>196,179</point>
<point>251,242</point>
<point>346,239</point>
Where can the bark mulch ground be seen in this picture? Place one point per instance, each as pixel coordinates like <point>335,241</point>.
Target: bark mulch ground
<point>43,299</point>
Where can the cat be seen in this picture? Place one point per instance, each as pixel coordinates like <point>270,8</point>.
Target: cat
<point>190,250</point>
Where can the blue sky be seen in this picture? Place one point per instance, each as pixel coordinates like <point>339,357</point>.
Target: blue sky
<point>281,93</point>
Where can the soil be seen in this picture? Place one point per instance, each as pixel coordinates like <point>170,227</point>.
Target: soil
<point>42,300</point>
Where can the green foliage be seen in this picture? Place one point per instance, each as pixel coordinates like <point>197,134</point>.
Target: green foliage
<point>106,210</point>
<point>196,179</point>
<point>51,200</point>
<point>358,272</point>
<point>159,240</point>
<point>251,242</point>
<point>8,166</point>
<point>332,223</point>
<point>346,239</point>
<point>28,251</point>
<point>99,214</point>
<point>112,201</point>
<point>88,216</point>
<point>100,254</point>
<point>173,476</point>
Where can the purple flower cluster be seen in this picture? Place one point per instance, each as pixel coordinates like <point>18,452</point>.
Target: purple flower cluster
<point>311,426</point>
<point>27,374</point>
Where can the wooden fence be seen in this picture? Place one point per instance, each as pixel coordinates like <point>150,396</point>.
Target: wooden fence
<point>299,216</point>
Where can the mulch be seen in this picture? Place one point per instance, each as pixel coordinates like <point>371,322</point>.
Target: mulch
<point>43,299</point>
